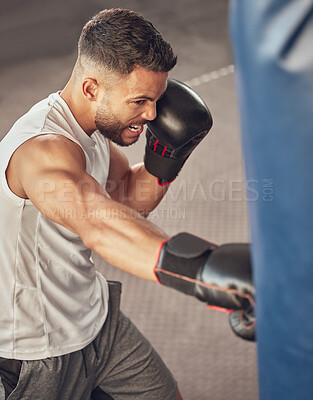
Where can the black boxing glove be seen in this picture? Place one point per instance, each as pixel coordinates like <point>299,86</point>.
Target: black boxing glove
<point>220,276</point>
<point>182,121</point>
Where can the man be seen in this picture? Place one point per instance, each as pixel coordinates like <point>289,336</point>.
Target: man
<point>62,335</point>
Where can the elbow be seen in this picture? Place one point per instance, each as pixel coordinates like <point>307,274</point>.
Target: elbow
<point>88,242</point>
<point>89,236</point>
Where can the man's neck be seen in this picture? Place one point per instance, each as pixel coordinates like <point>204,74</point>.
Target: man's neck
<point>78,107</point>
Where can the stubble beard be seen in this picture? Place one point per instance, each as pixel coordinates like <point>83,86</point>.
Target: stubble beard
<point>109,128</point>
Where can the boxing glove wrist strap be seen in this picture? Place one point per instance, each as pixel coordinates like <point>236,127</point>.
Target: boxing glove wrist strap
<point>162,167</point>
<point>180,260</point>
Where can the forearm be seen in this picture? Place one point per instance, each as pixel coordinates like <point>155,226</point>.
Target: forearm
<point>141,190</point>
<point>118,233</point>
<point>122,236</point>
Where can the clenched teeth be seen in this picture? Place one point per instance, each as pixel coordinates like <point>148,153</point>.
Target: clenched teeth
<point>135,128</point>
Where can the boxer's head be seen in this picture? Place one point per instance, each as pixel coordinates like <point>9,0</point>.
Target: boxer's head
<point>124,58</point>
<point>118,40</point>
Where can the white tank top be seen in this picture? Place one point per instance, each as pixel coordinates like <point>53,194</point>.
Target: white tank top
<point>52,300</point>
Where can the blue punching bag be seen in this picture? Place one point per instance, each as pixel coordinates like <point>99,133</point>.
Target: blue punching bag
<point>273,52</point>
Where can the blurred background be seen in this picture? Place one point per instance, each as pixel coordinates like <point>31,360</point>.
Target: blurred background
<point>37,52</point>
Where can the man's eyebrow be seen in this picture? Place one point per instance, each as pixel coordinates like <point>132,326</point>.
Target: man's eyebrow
<point>142,98</point>
<point>145,98</point>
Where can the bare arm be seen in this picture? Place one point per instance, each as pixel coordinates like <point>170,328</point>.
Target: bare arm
<point>50,171</point>
<point>133,186</point>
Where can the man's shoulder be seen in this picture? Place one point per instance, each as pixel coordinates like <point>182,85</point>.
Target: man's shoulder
<point>48,116</point>
<point>34,120</point>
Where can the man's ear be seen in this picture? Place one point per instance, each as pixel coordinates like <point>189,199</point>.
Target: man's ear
<point>90,88</point>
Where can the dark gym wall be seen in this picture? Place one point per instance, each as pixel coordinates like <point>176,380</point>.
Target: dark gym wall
<point>36,28</point>
<point>38,41</point>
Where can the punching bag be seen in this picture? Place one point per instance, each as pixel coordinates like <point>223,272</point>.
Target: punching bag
<point>273,52</point>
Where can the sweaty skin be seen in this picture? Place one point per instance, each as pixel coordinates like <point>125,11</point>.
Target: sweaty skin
<point>50,168</point>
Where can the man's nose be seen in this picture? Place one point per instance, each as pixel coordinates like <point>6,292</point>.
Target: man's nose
<point>150,111</point>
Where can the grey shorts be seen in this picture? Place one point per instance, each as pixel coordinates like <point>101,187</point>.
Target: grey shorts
<point>120,362</point>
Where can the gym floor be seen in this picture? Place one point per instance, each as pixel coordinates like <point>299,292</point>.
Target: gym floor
<point>38,49</point>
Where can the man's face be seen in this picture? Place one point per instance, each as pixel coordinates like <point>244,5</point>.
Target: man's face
<point>130,104</point>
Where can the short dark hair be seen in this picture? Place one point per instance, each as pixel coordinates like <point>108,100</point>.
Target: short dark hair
<point>120,39</point>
